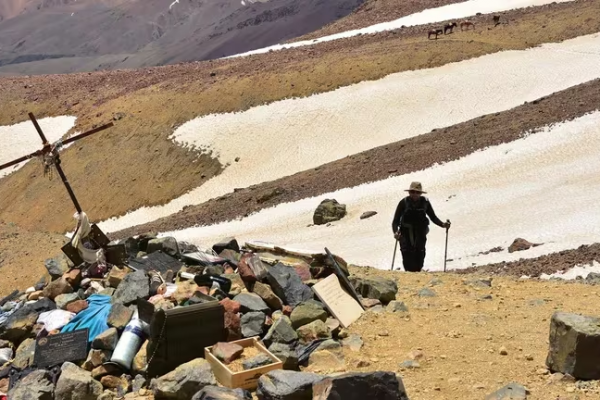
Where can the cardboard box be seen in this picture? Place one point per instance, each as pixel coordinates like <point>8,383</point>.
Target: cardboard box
<point>244,379</point>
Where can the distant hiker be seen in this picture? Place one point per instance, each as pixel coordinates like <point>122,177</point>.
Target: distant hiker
<point>411,218</point>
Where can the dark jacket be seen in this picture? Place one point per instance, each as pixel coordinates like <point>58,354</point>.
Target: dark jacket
<point>422,203</point>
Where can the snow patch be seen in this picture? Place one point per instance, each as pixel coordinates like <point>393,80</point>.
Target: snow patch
<point>573,273</point>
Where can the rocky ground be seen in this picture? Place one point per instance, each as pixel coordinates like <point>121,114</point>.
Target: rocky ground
<point>444,335</point>
<point>148,105</point>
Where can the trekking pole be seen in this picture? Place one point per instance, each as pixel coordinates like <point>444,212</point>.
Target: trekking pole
<point>395,248</point>
<point>446,247</point>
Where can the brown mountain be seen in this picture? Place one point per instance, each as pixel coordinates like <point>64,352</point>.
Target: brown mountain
<point>61,36</point>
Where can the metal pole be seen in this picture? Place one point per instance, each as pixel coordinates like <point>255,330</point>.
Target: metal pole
<point>394,258</point>
<point>446,248</point>
<point>66,182</point>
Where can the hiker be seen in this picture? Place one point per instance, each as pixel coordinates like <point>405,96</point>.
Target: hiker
<point>411,218</point>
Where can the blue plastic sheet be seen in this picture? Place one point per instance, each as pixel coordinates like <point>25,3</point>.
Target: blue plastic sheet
<point>93,318</point>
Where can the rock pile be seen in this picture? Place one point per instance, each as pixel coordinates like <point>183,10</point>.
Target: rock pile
<point>265,292</point>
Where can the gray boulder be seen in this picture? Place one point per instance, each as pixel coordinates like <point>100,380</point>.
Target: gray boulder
<point>329,211</point>
<point>222,393</point>
<point>134,285</point>
<point>371,385</point>
<point>381,289</point>
<point>63,300</point>
<point>307,312</point>
<point>281,332</point>
<point>259,360</point>
<point>397,307</point>
<point>250,302</point>
<point>286,385</point>
<point>287,284</point>
<point>512,391</point>
<point>35,386</point>
<point>252,324</point>
<point>287,355</point>
<point>25,354</point>
<point>184,382</point>
<point>76,384</point>
<point>58,266</point>
<point>574,345</point>
<point>167,245</point>
<point>226,244</point>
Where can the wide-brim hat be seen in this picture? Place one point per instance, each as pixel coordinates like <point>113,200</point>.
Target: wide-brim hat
<point>415,187</point>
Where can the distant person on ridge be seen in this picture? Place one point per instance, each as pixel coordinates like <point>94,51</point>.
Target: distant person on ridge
<point>411,226</point>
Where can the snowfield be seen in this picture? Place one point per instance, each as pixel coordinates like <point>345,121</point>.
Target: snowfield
<point>294,135</point>
<point>544,188</point>
<point>21,139</point>
<point>428,16</point>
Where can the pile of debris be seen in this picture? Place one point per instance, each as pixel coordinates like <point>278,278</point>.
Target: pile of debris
<point>154,320</point>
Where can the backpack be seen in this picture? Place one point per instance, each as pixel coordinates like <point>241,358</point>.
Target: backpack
<point>408,206</point>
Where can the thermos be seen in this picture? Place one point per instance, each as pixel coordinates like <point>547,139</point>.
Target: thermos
<point>130,342</point>
<point>208,280</point>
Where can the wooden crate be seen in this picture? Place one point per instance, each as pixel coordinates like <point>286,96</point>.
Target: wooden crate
<point>244,379</point>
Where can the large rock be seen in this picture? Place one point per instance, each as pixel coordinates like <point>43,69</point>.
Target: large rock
<point>328,211</point>
<point>287,355</point>
<point>185,381</point>
<point>512,391</point>
<point>140,361</point>
<point>230,305</point>
<point>574,345</point>
<point>251,302</point>
<point>56,288</point>
<point>222,393</point>
<point>77,306</point>
<point>252,324</point>
<point>167,245</point>
<point>287,284</point>
<point>76,384</point>
<point>107,340</point>
<point>307,312</point>
<point>520,244</point>
<point>119,316</point>
<point>381,289</point>
<point>227,352</point>
<point>266,293</point>
<point>226,244</point>
<point>251,268</point>
<point>326,361</point>
<point>134,285</point>
<point>372,385</point>
<point>287,385</point>
<point>63,300</point>
<point>96,358</point>
<point>57,266</point>
<point>233,326</point>
<point>313,331</point>
<point>116,276</point>
<point>18,326</point>
<point>35,386</point>
<point>281,332</point>
<point>73,277</point>
<point>25,354</point>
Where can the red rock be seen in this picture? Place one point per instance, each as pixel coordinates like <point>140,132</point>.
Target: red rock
<point>304,271</point>
<point>230,305</point>
<point>233,324</point>
<point>521,244</point>
<point>287,310</point>
<point>77,306</point>
<point>245,270</point>
<point>73,277</point>
<point>227,352</point>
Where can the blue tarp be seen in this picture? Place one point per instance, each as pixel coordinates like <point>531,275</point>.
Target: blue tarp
<point>93,318</point>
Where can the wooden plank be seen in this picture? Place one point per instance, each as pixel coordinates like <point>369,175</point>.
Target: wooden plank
<point>341,305</point>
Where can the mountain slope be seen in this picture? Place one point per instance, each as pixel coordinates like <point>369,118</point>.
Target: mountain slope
<point>90,34</point>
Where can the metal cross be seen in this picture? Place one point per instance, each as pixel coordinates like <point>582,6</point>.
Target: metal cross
<point>51,156</point>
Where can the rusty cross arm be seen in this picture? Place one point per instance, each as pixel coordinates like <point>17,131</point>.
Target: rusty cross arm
<point>49,149</point>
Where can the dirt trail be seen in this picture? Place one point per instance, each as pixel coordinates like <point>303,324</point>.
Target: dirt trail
<point>461,334</point>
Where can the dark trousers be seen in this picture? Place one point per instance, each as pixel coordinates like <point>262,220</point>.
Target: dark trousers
<point>413,255</point>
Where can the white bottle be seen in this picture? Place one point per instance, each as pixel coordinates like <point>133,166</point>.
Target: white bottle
<point>130,342</point>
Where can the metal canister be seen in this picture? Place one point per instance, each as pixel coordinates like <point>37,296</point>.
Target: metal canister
<point>130,342</point>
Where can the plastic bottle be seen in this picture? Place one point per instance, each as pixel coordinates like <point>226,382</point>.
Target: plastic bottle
<point>130,342</point>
